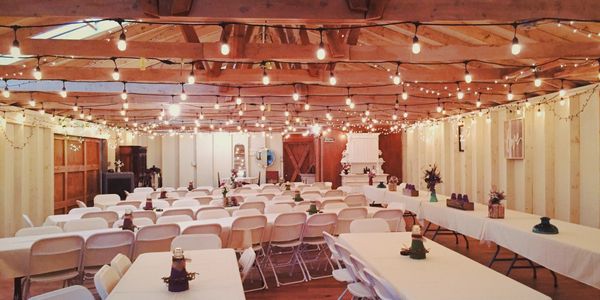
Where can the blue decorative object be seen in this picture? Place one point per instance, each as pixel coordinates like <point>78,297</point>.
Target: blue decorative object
<point>545,227</point>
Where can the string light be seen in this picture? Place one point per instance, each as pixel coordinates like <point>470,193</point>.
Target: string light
<point>75,107</point>
<point>395,115</point>
<point>201,114</point>
<point>174,108</point>
<point>183,96</point>
<point>42,111</point>
<point>478,103</point>
<point>295,95</point>
<point>459,94</point>
<point>6,91</point>
<point>396,78</point>
<point>63,91</point>
<point>124,92</point>
<point>122,112</point>
<point>348,97</point>
<point>191,79</point>
<point>321,53</point>
<point>510,95</point>
<point>332,79</point>
<point>225,49</point>
<point>15,48</point>
<point>468,76</point>
<point>537,82</point>
<point>238,99</point>
<point>306,106</point>
<point>352,105</point>
<point>115,74</point>
<point>404,93</point>
<point>515,47</point>
<point>265,77</point>
<point>217,106</point>
<point>416,46</point>
<point>32,102</point>
<point>262,106</point>
<point>562,91</point>
<point>122,43</point>
<point>439,107</point>
<point>37,72</point>
<point>126,105</point>
<point>367,112</point>
<point>405,115</point>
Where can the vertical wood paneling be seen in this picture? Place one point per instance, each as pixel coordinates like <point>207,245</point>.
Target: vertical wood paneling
<point>574,144</point>
<point>549,165</point>
<point>528,160</point>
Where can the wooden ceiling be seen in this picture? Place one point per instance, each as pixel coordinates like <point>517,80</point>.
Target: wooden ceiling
<point>366,41</point>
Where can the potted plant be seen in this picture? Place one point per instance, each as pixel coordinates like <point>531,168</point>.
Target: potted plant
<point>393,183</point>
<point>495,207</point>
<point>432,177</point>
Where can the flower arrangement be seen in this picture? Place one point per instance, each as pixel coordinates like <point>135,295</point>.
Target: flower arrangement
<point>346,168</point>
<point>496,196</point>
<point>495,208</point>
<point>118,165</point>
<point>394,180</point>
<point>432,177</point>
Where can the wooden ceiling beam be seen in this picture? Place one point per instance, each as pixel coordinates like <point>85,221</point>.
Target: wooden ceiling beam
<point>329,11</point>
<point>301,53</point>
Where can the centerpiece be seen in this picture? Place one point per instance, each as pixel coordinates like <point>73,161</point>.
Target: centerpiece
<point>190,186</point>
<point>393,183</point>
<point>128,221</point>
<point>346,168</point>
<point>460,202</point>
<point>180,278</point>
<point>432,177</point>
<point>410,190</point>
<point>118,165</point>
<point>417,248</point>
<point>297,196</point>
<point>371,174</point>
<point>495,207</point>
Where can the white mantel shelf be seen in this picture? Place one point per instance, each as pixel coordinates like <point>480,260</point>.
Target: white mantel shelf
<point>361,179</point>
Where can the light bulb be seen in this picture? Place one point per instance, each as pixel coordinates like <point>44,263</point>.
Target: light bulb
<point>516,47</point>
<point>265,79</point>
<point>286,113</point>
<point>468,77</point>
<point>438,109</point>
<point>15,48</point>
<point>478,103</point>
<point>352,105</point>
<point>122,43</point>
<point>89,117</point>
<point>124,95</point>
<point>217,106</point>
<point>263,117</point>
<point>404,96</point>
<point>238,100</point>
<point>126,119</point>
<point>306,106</point>
<point>42,111</point>
<point>416,46</point>
<point>262,107</point>
<point>295,96</point>
<point>562,92</point>
<point>6,92</point>
<point>328,116</point>
<point>394,117</point>
<point>201,116</point>
<point>460,95</point>
<point>32,102</point>
<point>396,79</point>
<point>115,74</point>
<point>37,73</point>
<point>405,115</point>
<point>225,48</point>
<point>240,112</point>
<point>367,112</point>
<point>191,78</point>
<point>75,107</point>
<point>183,96</point>
<point>174,110</point>
<point>122,112</point>
<point>126,105</point>
<point>348,100</point>
<point>321,53</point>
<point>332,79</point>
<point>82,115</point>
<point>510,96</point>
<point>63,92</point>
<point>562,102</point>
<point>539,112</point>
<point>537,82</point>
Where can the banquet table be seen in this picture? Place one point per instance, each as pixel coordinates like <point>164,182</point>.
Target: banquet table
<point>444,274</point>
<point>218,277</point>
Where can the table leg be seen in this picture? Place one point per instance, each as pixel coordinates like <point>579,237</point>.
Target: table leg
<point>17,291</point>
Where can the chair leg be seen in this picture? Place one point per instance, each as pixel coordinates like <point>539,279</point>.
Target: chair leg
<point>292,262</point>
<point>320,251</point>
<point>343,293</point>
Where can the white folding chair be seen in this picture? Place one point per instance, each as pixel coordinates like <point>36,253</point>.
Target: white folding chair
<point>145,189</point>
<point>216,213</point>
<point>217,192</point>
<point>355,286</point>
<point>105,281</point>
<point>204,229</point>
<point>355,200</point>
<point>334,193</point>
<point>141,196</point>
<point>311,191</point>
<point>303,206</point>
<point>42,230</point>
<point>134,203</point>
<point>246,212</point>
<point>286,234</point>
<point>247,260</point>
<point>179,211</point>
<point>74,292</point>
<point>270,189</point>
<point>139,222</point>
<point>312,239</point>
<point>138,214</point>
<point>366,289</point>
<point>80,203</point>
<point>346,216</point>
<point>82,210</point>
<point>216,202</point>
<point>185,203</point>
<point>100,248</point>
<point>278,208</point>
<point>204,200</point>
<point>325,202</point>
<point>109,216</point>
<point>155,238</point>
<point>121,208</point>
<point>121,264</point>
<point>334,206</point>
<point>27,221</point>
<point>182,188</point>
<point>394,217</point>
<point>269,196</point>
<point>247,231</point>
<point>85,224</point>
<point>260,206</point>
<point>173,219</point>
<point>383,288</point>
<point>106,199</point>
<point>53,259</point>
<point>196,193</point>
<point>196,242</point>
<point>282,198</point>
<point>167,189</point>
<point>371,225</point>
<point>255,198</point>
<point>319,185</point>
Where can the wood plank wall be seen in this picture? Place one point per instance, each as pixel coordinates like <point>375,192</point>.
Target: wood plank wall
<point>559,176</point>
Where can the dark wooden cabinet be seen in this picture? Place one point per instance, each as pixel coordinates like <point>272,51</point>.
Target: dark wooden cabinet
<point>134,160</point>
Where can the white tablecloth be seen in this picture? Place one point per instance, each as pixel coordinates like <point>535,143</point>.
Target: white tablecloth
<point>444,274</point>
<point>218,277</point>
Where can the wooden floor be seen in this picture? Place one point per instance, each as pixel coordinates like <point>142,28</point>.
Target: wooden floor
<point>328,288</point>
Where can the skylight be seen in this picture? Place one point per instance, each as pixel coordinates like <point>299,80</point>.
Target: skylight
<point>79,31</point>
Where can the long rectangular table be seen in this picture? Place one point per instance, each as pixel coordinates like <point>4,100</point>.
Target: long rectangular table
<point>218,277</point>
<point>574,252</point>
<point>444,274</point>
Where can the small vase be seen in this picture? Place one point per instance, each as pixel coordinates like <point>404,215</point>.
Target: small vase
<point>496,211</point>
<point>370,180</point>
<point>433,197</point>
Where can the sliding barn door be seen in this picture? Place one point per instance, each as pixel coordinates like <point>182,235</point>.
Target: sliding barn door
<point>77,170</point>
<point>299,156</point>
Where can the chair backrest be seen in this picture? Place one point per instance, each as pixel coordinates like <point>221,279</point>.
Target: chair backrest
<point>356,200</point>
<point>269,196</point>
<point>325,202</point>
<point>145,189</point>
<point>141,196</point>
<point>179,211</point>
<point>85,224</point>
<point>194,194</point>
<point>105,281</point>
<point>182,189</point>
<point>246,261</point>
<point>80,203</point>
<point>311,191</point>
<point>246,231</point>
<point>218,191</point>
<point>287,193</point>
<point>121,208</point>
<point>212,213</point>
<point>144,214</point>
<point>302,186</point>
<point>28,231</point>
<point>121,264</point>
<point>204,200</point>
<point>394,218</point>
<point>347,215</point>
<point>185,203</point>
<point>345,256</point>
<point>139,222</point>
<point>246,212</point>
<point>369,225</point>
<point>319,223</point>
<point>270,188</point>
<point>158,203</point>
<point>166,189</point>
<point>397,205</point>
<point>255,198</point>
<point>302,206</point>
<point>216,202</point>
<point>134,203</point>
<point>383,288</point>
<point>278,208</point>
<point>330,240</point>
<point>74,292</point>
<point>282,198</point>
<point>100,248</point>
<point>53,254</point>
<point>109,216</point>
<point>320,185</point>
<point>106,199</point>
<point>260,206</point>
<point>173,219</point>
<point>204,229</point>
<point>334,193</point>
<point>196,242</point>
<point>288,227</point>
<point>207,189</point>
<point>335,205</point>
<point>82,210</point>
<point>27,221</point>
<point>359,267</point>
<point>155,238</point>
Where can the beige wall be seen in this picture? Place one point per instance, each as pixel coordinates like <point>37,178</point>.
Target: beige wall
<point>559,177</point>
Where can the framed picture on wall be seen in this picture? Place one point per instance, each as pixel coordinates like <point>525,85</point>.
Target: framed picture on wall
<point>513,139</point>
<point>461,138</point>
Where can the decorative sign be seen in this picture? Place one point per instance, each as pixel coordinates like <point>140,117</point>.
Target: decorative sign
<point>328,140</point>
<point>513,139</point>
